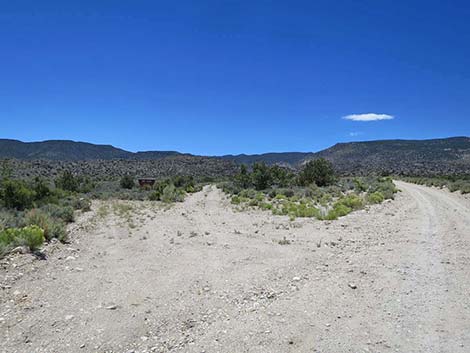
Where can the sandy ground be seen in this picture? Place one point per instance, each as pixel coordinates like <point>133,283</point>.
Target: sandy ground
<point>202,277</point>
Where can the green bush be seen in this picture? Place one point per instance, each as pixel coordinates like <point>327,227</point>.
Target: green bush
<point>52,228</point>
<point>127,182</point>
<point>265,206</point>
<point>375,197</point>
<point>41,189</point>
<point>32,237</point>
<point>67,181</point>
<point>338,210</point>
<point>17,195</point>
<point>351,201</point>
<point>171,194</point>
<point>261,176</point>
<point>64,213</point>
<point>235,200</point>
<point>81,203</point>
<point>385,186</point>
<point>319,171</point>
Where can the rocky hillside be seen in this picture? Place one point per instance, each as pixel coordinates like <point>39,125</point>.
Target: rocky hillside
<point>402,157</point>
<point>199,167</point>
<point>59,150</point>
<point>283,158</point>
<point>64,150</point>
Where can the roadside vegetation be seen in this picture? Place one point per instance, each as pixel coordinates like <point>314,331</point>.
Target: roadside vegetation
<point>37,210</point>
<point>453,182</point>
<point>315,191</point>
<point>34,211</point>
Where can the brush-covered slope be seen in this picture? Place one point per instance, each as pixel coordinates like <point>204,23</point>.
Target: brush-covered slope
<point>437,156</point>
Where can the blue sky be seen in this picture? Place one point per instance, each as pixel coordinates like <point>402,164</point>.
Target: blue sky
<point>220,76</point>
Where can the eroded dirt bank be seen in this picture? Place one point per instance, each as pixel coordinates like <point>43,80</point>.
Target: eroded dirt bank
<point>201,277</point>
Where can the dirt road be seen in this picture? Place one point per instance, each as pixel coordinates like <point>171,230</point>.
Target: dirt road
<point>202,277</point>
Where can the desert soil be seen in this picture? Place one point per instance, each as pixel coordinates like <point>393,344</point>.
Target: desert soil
<point>202,277</point>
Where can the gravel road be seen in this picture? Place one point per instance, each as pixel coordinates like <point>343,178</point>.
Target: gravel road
<point>202,277</point>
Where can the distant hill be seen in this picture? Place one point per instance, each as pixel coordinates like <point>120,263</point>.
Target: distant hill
<point>65,150</point>
<point>284,158</point>
<point>59,150</point>
<point>436,156</point>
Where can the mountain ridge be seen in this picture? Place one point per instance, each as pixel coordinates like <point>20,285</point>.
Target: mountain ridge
<point>396,156</point>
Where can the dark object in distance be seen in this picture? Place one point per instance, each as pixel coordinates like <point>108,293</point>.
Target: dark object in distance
<point>146,181</point>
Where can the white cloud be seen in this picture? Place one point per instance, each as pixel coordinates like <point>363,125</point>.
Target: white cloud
<point>368,117</point>
<point>355,133</point>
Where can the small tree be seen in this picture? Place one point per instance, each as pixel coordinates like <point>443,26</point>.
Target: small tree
<point>243,177</point>
<point>261,176</point>
<point>127,182</point>
<point>281,176</point>
<point>319,171</point>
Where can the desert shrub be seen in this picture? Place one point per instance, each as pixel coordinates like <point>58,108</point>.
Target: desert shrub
<point>155,196</point>
<point>67,181</point>
<point>375,197</point>
<point>462,185</point>
<point>360,185</point>
<point>52,228</point>
<point>287,192</point>
<point>127,182</point>
<point>64,213</point>
<point>10,218</point>
<point>185,182</point>
<point>31,236</point>
<point>265,206</point>
<point>319,171</point>
<point>385,186</point>
<point>314,192</point>
<point>325,199</point>
<point>229,188</point>
<point>41,189</point>
<point>338,210</point>
<point>81,203</point>
<point>16,194</point>
<point>171,194</point>
<point>235,200</point>
<point>248,193</point>
<point>351,201</point>
<point>294,209</point>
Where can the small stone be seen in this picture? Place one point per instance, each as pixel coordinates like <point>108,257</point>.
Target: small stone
<point>352,285</point>
<point>296,279</point>
<point>111,307</point>
<point>20,250</point>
